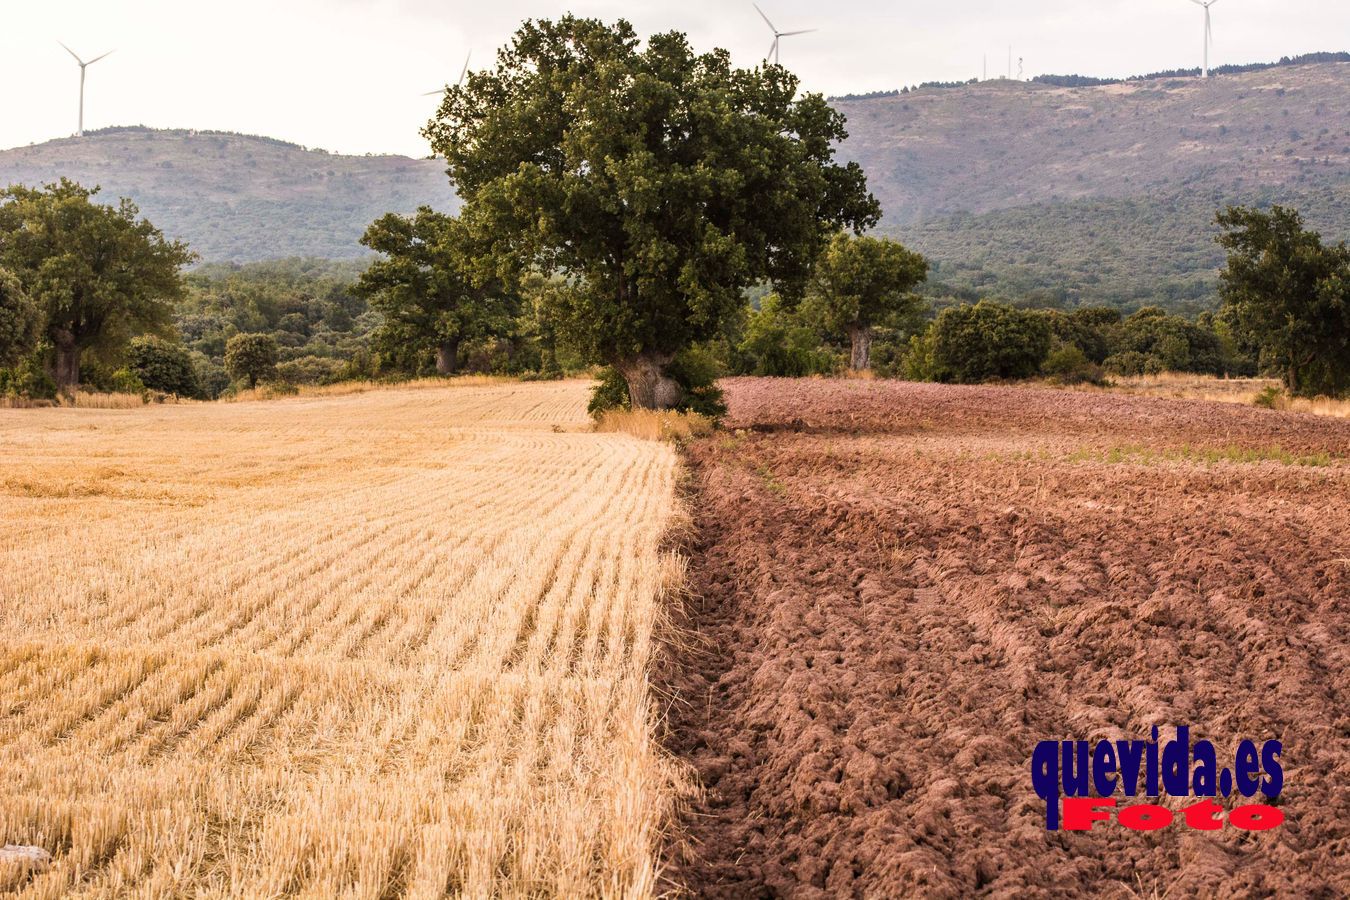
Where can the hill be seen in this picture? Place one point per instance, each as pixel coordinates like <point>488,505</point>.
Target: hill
<point>1102,193</point>
<point>237,197</point>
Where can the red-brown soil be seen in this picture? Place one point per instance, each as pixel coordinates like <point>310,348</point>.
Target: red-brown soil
<point>898,590</point>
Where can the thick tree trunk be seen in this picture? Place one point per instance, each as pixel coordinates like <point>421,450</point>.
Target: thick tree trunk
<point>66,366</point>
<point>861,337</point>
<point>649,387</point>
<point>447,358</point>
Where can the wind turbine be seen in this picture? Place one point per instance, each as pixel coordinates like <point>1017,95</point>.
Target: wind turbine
<point>1209,32</point>
<point>462,72</point>
<point>777,35</point>
<point>83,65</point>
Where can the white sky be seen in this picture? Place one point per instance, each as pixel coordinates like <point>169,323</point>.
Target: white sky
<point>347,75</point>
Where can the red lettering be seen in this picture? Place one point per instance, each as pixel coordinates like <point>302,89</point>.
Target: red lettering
<point>1205,815</point>
<point>1145,817</point>
<point>1081,812</point>
<point>1255,817</point>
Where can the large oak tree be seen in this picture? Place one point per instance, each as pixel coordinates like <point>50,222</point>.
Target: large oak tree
<point>100,273</point>
<point>659,181</point>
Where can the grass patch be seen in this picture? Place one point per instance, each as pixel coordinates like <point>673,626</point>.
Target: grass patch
<point>1141,455</point>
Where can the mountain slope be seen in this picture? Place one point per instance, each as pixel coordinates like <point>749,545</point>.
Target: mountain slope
<point>1101,194</point>
<point>237,197</point>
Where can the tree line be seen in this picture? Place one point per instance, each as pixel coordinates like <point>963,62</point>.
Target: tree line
<point>636,206</point>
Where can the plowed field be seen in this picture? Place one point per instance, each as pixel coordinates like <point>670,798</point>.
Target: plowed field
<point>390,644</point>
<point>898,590</point>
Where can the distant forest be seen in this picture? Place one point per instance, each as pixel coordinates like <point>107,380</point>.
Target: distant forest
<point>1092,81</point>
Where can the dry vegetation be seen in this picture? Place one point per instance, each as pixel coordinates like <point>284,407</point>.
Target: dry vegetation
<point>655,425</point>
<point>1183,386</point>
<point>386,644</point>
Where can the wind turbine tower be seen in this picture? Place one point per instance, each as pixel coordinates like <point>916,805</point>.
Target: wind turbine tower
<point>1209,32</point>
<point>777,35</point>
<point>83,65</point>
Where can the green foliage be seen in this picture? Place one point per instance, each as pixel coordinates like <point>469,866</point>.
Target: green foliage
<point>774,342</point>
<point>1068,364</point>
<point>920,360</point>
<point>435,285</point>
<point>100,273</point>
<point>1269,397</point>
<point>662,182</point>
<point>1124,253</point>
<point>28,379</point>
<point>251,357</point>
<point>162,366</point>
<point>987,341</point>
<point>311,370</point>
<point>20,322</point>
<point>1288,294</point>
<point>860,282</point>
<point>212,379</point>
<point>610,392</point>
<point>696,371</point>
<point>1130,363</point>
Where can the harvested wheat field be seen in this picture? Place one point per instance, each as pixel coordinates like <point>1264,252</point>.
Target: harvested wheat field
<point>379,645</point>
<point>900,589</point>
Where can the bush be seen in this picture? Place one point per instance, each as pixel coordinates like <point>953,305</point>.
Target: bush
<point>311,370</point>
<point>1068,364</point>
<point>28,380</point>
<point>919,363</point>
<point>987,341</point>
<point>1128,363</point>
<point>212,379</point>
<point>777,344</point>
<point>610,393</point>
<point>162,366</point>
<point>696,370</point>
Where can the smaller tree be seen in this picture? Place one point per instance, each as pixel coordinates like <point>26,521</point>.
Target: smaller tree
<point>162,366</point>
<point>435,286</point>
<point>20,321</point>
<point>861,282</point>
<point>1288,294</point>
<point>252,357</point>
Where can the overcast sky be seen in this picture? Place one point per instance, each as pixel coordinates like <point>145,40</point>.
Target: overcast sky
<point>347,75</point>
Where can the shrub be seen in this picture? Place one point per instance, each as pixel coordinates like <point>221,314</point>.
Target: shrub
<point>1128,363</point>
<point>212,379</point>
<point>311,370</point>
<point>610,392</point>
<point>987,341</point>
<point>162,366</point>
<point>919,363</point>
<point>777,344</point>
<point>1068,364</point>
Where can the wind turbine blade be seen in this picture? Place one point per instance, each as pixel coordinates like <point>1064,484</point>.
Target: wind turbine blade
<point>97,58</point>
<point>1198,2</point>
<point>434,93</point>
<point>464,71</point>
<point>72,53</point>
<point>764,17</point>
<point>803,31</point>
<point>772,49</point>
